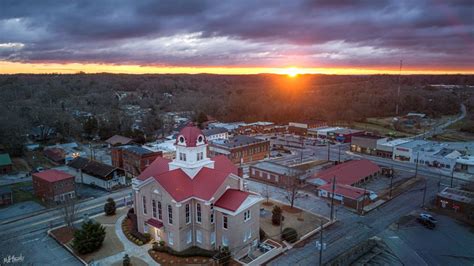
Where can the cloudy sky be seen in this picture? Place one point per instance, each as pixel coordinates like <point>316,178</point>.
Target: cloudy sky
<point>429,35</point>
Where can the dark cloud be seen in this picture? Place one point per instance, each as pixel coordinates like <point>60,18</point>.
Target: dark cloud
<point>249,33</point>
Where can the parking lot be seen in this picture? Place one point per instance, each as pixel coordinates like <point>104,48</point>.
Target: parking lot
<point>450,243</point>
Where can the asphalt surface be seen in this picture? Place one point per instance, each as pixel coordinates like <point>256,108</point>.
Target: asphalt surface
<point>27,235</point>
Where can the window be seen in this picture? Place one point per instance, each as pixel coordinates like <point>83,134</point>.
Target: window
<point>213,238</point>
<point>182,156</point>
<point>212,213</point>
<point>189,236</point>
<point>144,204</point>
<point>225,241</point>
<point>170,214</point>
<point>224,222</point>
<point>248,235</point>
<point>188,220</point>
<point>160,216</point>
<point>153,207</point>
<point>200,156</point>
<point>246,215</point>
<point>198,236</point>
<point>170,238</point>
<point>198,212</point>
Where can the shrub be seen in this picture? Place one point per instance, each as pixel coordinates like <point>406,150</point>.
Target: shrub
<point>110,207</point>
<point>289,234</point>
<point>162,243</point>
<point>263,235</point>
<point>223,257</point>
<point>89,238</point>
<point>126,260</point>
<point>189,252</point>
<point>276,215</point>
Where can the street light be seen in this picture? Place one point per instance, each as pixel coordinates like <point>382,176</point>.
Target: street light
<point>320,245</point>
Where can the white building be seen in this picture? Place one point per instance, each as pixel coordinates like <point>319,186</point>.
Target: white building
<point>216,133</point>
<point>96,173</point>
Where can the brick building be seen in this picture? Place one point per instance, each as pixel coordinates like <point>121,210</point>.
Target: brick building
<point>301,128</point>
<point>241,149</point>
<point>5,164</point>
<point>54,186</point>
<point>366,143</point>
<point>133,159</point>
<point>457,200</point>
<point>274,173</point>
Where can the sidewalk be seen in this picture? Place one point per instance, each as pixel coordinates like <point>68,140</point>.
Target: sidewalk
<point>140,252</point>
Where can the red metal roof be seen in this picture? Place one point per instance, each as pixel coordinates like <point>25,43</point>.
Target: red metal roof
<point>53,175</point>
<point>157,167</point>
<point>191,134</point>
<point>344,190</point>
<point>349,172</point>
<point>231,199</point>
<point>180,186</point>
<point>155,223</point>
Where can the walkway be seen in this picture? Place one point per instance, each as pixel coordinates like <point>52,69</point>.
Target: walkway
<point>140,252</point>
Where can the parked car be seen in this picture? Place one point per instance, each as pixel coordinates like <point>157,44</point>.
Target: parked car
<point>427,220</point>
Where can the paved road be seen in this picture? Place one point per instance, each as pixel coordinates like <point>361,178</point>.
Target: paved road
<point>352,230</point>
<point>436,130</point>
<point>26,235</point>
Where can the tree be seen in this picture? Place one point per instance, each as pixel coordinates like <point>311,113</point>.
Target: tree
<point>266,192</point>
<point>89,238</point>
<point>201,118</point>
<point>276,215</point>
<point>126,260</point>
<point>90,126</point>
<point>110,207</point>
<point>69,210</point>
<point>292,190</point>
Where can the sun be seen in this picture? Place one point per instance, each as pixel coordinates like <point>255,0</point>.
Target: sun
<point>292,72</point>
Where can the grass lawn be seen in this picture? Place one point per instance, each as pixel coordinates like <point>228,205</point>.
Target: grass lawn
<point>303,222</point>
<point>23,192</point>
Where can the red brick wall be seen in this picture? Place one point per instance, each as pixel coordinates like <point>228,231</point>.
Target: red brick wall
<point>47,190</point>
<point>5,169</point>
<point>135,164</point>
<point>250,153</point>
<point>269,177</point>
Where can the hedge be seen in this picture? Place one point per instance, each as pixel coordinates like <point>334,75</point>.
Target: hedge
<point>189,252</point>
<point>289,234</point>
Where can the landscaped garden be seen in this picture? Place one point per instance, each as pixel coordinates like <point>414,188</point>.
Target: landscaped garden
<point>295,222</point>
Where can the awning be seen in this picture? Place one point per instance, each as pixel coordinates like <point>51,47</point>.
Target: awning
<point>155,223</point>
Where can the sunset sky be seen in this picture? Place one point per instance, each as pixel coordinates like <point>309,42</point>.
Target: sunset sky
<point>237,37</point>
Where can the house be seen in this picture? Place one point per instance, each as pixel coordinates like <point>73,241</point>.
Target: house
<point>241,149</point>
<point>366,143</point>
<point>216,133</point>
<point>274,173</point>
<point>344,179</point>
<point>53,186</point>
<point>133,159</point>
<point>56,155</point>
<point>458,200</point>
<point>6,196</point>
<point>66,152</point>
<point>6,165</point>
<point>195,200</point>
<point>118,140</point>
<point>95,173</point>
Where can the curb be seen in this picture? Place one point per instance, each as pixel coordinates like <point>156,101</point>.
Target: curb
<point>66,247</point>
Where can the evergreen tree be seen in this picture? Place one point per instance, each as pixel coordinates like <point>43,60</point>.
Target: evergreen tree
<point>89,238</point>
<point>110,207</point>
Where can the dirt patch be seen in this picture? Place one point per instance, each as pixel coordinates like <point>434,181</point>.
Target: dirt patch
<point>64,234</point>
<point>267,203</point>
<point>104,219</point>
<point>164,258</point>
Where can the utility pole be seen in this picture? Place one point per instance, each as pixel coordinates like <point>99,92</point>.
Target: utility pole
<point>332,197</point>
<point>398,90</point>
<point>416,165</point>
<point>363,199</point>
<point>321,245</point>
<point>339,155</point>
<point>391,181</point>
<point>329,151</point>
<point>452,177</point>
<point>424,194</point>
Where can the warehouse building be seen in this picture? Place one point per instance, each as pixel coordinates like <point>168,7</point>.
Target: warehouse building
<point>366,144</point>
<point>274,173</point>
<point>241,149</point>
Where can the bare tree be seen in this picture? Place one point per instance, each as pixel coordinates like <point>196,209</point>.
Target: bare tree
<point>69,211</point>
<point>291,188</point>
<point>266,192</point>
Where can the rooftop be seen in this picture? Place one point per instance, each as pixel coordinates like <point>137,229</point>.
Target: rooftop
<point>118,140</point>
<point>5,159</point>
<point>413,144</point>
<point>458,195</point>
<point>213,131</point>
<point>93,168</point>
<point>349,172</point>
<point>138,150</point>
<point>238,141</point>
<point>395,142</point>
<point>53,175</point>
<point>345,190</point>
<point>277,168</point>
<point>231,199</point>
<point>347,131</point>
